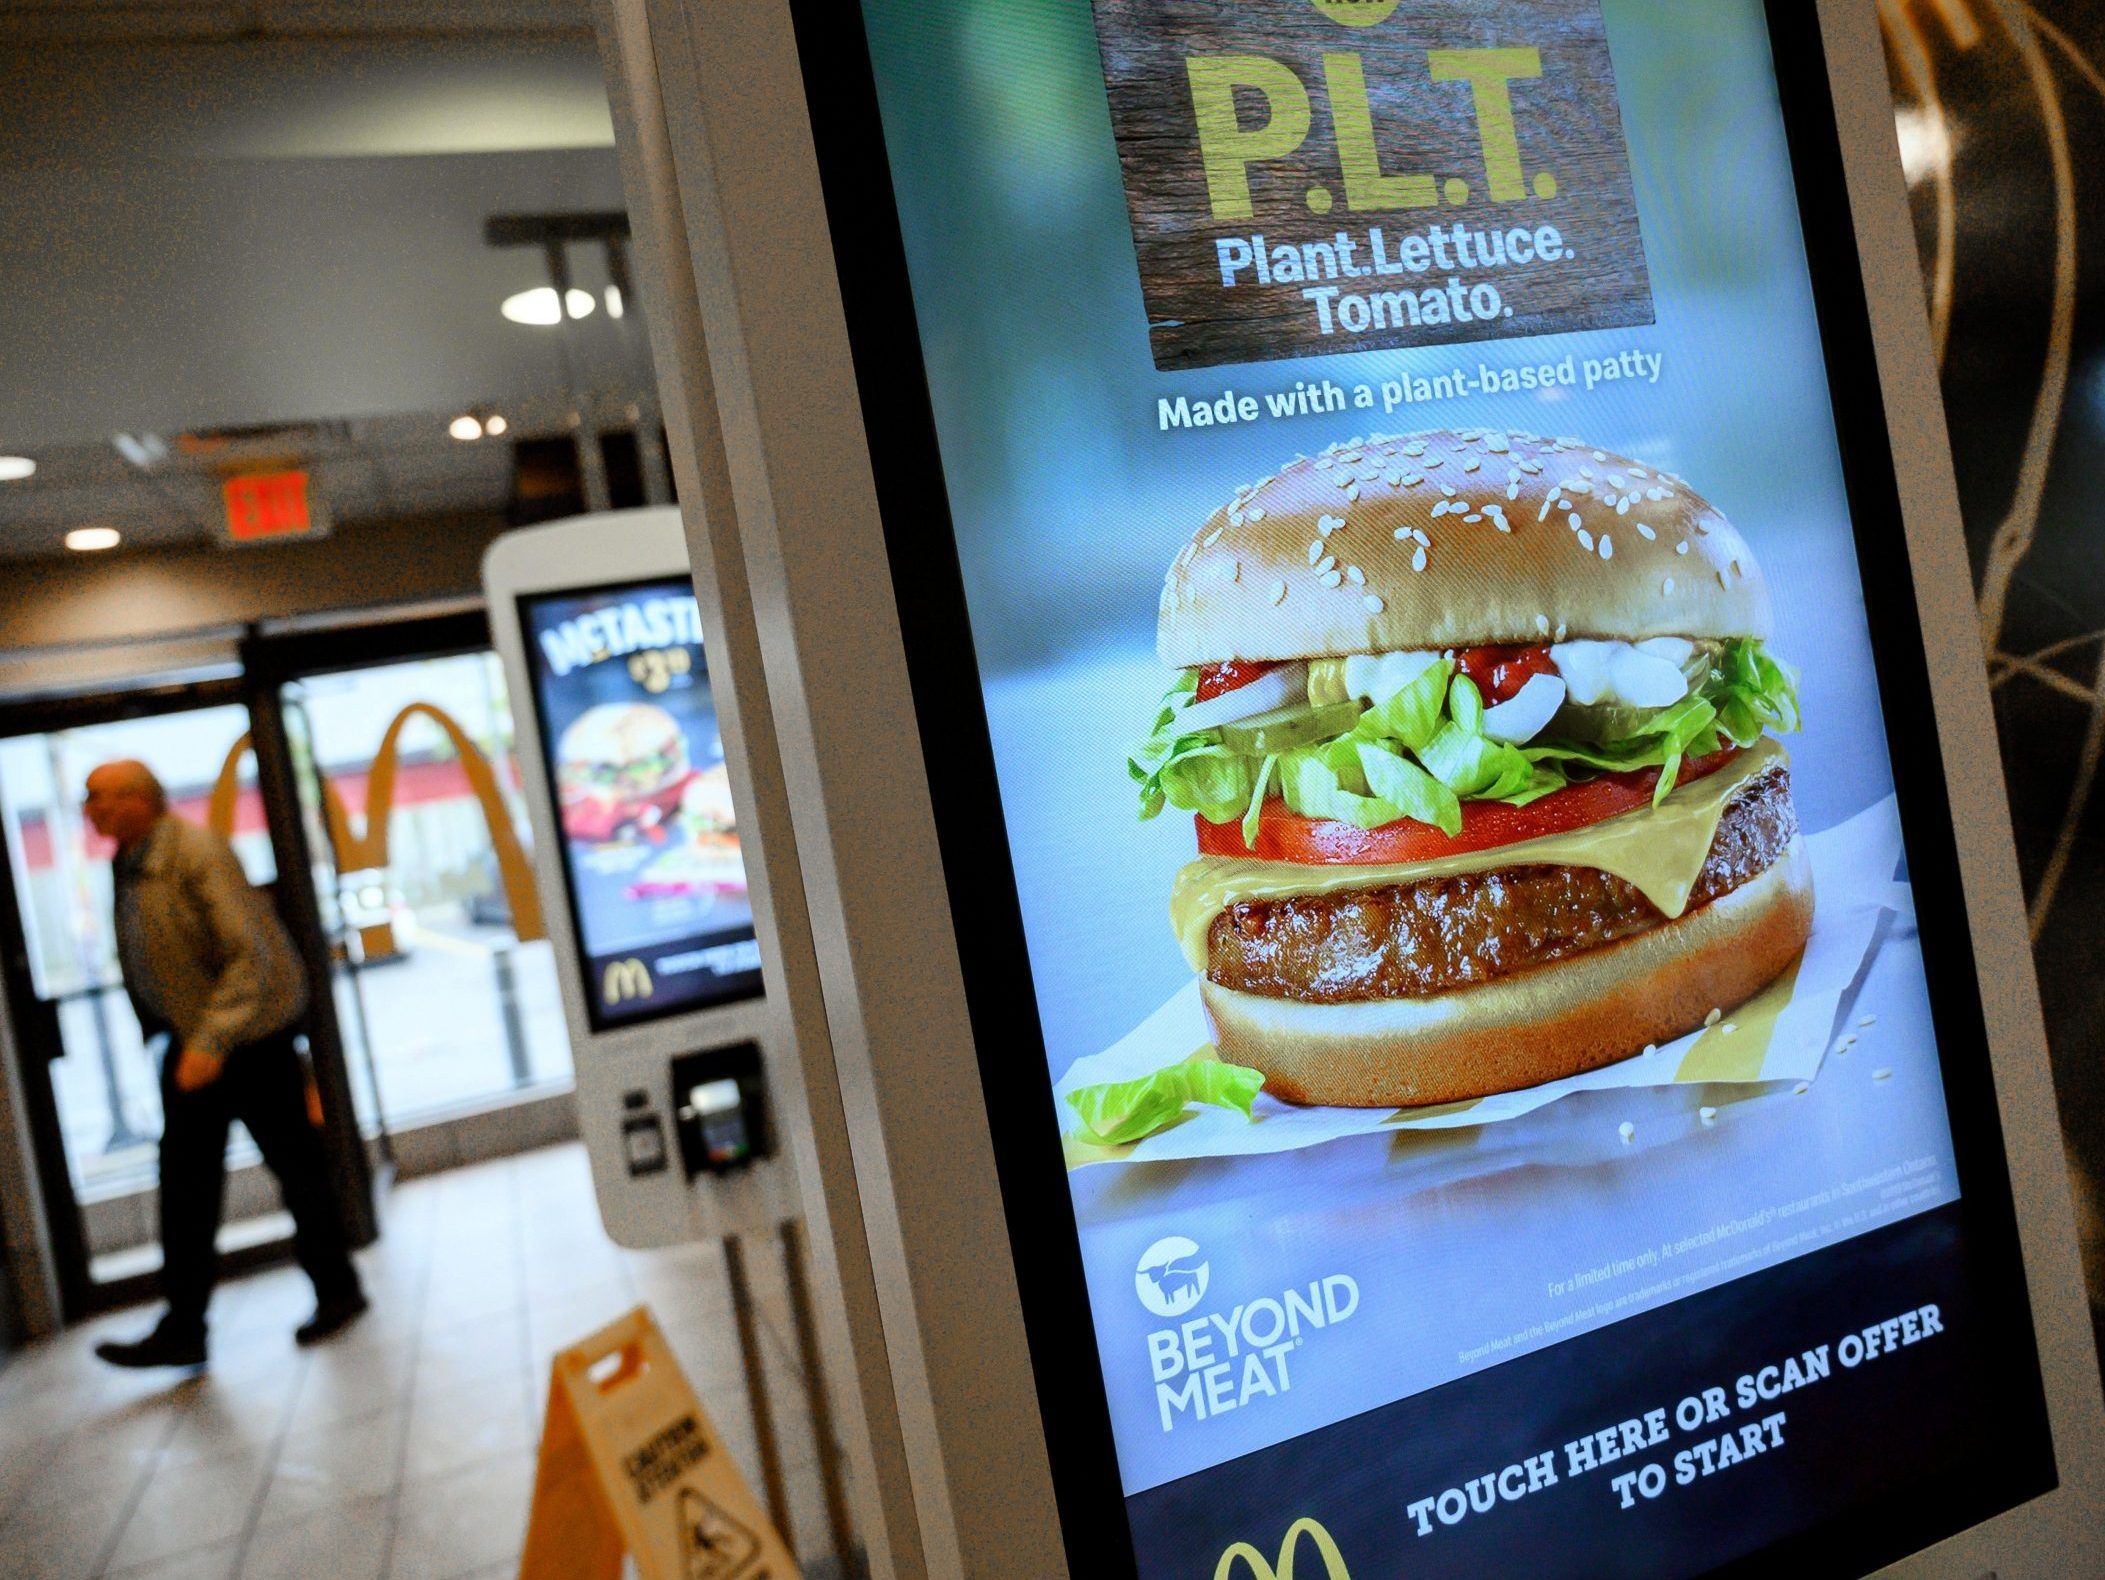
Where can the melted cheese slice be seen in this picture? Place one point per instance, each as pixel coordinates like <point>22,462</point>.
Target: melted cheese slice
<point>1657,850</point>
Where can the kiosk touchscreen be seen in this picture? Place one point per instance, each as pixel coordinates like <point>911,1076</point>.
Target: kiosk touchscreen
<point>1406,620</point>
<point>637,851</point>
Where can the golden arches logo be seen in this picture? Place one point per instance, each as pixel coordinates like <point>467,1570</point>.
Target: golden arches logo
<point>364,850</point>
<point>1283,1568</point>
<point>1357,13</point>
<point>625,979</point>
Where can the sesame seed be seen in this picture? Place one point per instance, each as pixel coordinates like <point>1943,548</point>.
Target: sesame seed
<point>1560,630</point>
<point>1235,570</point>
<point>1728,1028</point>
<point>1607,547</point>
<point>1802,1088</point>
<point>1329,524</point>
<point>1867,1020</point>
<point>1571,520</point>
<point>1255,513</point>
<point>1587,471</point>
<point>1585,538</point>
<point>1882,1074</point>
<point>1413,479</point>
<point>1235,518</point>
<point>1622,506</point>
<point>1512,490</point>
<point>1279,592</point>
<point>1439,508</point>
<point>1681,547</point>
<point>1352,490</point>
<point>1496,443</point>
<point>1474,516</point>
<point>1448,491</point>
<point>1618,480</point>
<point>1542,624</point>
<point>1650,1049</point>
<point>1212,538</point>
<point>1401,532</point>
<point>1323,463</point>
<point>1470,465</point>
<point>1666,587</point>
<point>1723,581</point>
<point>1421,537</point>
<point>1707,1114</point>
<point>1627,1131</point>
<point>1356,576</point>
<point>1327,563</point>
<point>1646,533</point>
<point>1332,578</point>
<point>1713,1017</point>
<point>1843,1045</point>
<point>1432,461</point>
<point>1415,448</point>
<point>1418,558</point>
<point>1373,603</point>
<point>1315,551</point>
<point>1600,455</point>
<point>1393,479</point>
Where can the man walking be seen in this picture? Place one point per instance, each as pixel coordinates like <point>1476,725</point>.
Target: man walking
<point>206,961</point>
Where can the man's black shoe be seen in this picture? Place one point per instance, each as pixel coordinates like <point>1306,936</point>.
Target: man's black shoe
<point>330,1318</point>
<point>158,1348</point>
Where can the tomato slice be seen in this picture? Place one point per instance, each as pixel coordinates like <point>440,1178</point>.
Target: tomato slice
<point>1217,680</point>
<point>1500,672</point>
<point>1285,835</point>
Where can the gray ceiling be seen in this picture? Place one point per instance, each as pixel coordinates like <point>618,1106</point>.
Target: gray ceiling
<point>271,215</point>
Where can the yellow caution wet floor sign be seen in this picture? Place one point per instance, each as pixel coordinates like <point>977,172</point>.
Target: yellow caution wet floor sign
<point>630,1465</point>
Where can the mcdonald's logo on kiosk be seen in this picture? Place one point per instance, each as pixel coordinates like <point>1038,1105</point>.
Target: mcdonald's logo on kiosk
<point>1242,1555</point>
<point>624,980</point>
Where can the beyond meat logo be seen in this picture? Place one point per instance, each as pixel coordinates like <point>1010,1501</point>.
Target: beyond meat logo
<point>1217,1360</point>
<point>1310,176</point>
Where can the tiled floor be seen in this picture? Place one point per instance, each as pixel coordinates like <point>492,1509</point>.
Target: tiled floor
<point>403,1448</point>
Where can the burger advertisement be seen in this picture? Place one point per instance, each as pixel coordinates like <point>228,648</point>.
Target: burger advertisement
<point>1440,745</point>
<point>650,844</point>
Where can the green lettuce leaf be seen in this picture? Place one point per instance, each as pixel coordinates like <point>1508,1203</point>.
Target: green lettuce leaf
<point>1423,752</point>
<point>1129,1110</point>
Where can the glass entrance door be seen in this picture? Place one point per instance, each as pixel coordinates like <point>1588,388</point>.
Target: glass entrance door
<point>94,1081</point>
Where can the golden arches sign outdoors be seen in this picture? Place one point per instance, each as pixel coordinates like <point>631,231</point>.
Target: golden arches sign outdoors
<point>1315,176</point>
<point>1243,1556</point>
<point>365,849</point>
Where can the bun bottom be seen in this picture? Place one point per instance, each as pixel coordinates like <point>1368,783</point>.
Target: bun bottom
<point>1595,1008</point>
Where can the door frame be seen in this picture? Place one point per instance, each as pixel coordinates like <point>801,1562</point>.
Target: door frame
<point>34,1023</point>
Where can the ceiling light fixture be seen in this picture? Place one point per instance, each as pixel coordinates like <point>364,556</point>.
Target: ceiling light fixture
<point>615,306</point>
<point>86,540</point>
<point>495,425</point>
<point>13,468</point>
<point>466,426</point>
<point>538,306</point>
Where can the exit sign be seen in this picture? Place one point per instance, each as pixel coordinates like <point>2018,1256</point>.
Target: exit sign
<point>267,505</point>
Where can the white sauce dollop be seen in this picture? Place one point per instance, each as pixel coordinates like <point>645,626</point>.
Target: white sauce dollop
<point>1644,674</point>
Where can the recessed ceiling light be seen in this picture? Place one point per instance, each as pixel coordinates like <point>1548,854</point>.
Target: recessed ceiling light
<point>465,426</point>
<point>13,468</point>
<point>86,540</point>
<point>615,306</point>
<point>538,306</point>
<point>495,425</point>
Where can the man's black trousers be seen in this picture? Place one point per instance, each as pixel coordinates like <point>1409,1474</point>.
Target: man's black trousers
<point>263,1085</point>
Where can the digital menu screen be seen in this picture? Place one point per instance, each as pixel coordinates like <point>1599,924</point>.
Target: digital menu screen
<point>1467,773</point>
<point>635,762</point>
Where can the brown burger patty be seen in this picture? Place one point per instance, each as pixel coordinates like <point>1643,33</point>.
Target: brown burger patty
<point>1404,940</point>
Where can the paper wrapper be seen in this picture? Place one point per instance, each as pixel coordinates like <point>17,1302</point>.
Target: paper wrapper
<point>1781,1034</point>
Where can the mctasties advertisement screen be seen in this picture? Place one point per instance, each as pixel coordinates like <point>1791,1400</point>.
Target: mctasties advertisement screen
<point>1437,732</point>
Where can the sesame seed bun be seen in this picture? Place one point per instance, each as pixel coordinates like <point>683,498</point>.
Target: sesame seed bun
<point>1560,1019</point>
<point>1309,563</point>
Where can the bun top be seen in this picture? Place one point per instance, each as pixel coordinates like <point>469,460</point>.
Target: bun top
<point>1456,538</point>
<point>620,732</point>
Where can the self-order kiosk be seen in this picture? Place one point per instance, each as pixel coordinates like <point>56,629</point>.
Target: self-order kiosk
<point>1383,745</point>
<point>638,856</point>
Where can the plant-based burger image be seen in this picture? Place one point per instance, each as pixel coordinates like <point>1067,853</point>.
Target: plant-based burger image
<point>620,765</point>
<point>1475,729</point>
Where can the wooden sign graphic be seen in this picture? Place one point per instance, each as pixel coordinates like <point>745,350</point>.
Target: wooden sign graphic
<point>1316,176</point>
<point>630,1465</point>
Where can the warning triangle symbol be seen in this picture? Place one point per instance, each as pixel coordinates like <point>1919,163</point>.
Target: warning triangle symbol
<point>713,1546</point>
